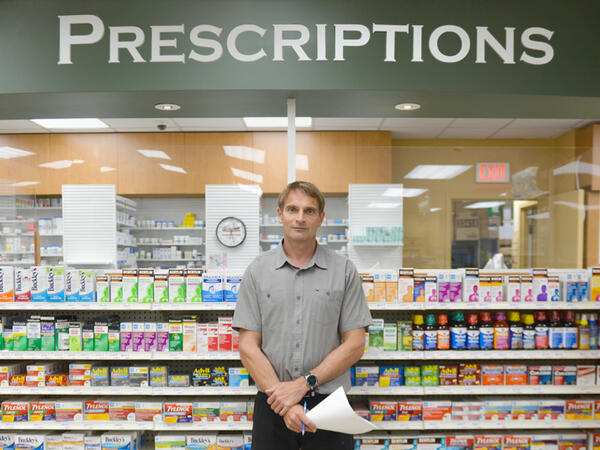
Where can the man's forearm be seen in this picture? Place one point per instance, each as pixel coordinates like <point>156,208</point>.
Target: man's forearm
<point>342,358</point>
<point>259,367</point>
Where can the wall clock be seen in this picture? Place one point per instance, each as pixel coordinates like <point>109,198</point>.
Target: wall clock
<point>231,232</point>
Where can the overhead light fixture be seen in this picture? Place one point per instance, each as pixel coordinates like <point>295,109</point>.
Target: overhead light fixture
<point>105,169</point>
<point>380,205</point>
<point>69,124</point>
<point>407,106</point>
<point>167,106</point>
<point>62,164</point>
<point>246,153</point>
<point>301,162</point>
<point>254,177</point>
<point>158,154</point>
<point>173,168</point>
<point>25,183</point>
<point>11,152</point>
<point>436,172</point>
<point>484,205</point>
<point>275,122</point>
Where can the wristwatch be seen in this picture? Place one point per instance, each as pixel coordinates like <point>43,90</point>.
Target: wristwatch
<point>311,381</point>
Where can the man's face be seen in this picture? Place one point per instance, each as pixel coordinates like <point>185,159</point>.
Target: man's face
<point>300,217</point>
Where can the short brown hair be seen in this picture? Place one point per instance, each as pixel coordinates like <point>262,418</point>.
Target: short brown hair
<point>308,188</point>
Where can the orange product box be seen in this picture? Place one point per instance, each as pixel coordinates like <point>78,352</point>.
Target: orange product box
<point>391,286</point>
<point>15,411</point>
<point>17,380</point>
<point>59,379</point>
<point>406,285</point>
<point>492,374</point>
<point>383,411</point>
<point>96,410</point>
<point>410,411</point>
<point>487,442</point>
<point>515,374</point>
<point>121,410</point>
<point>440,410</point>
<point>459,442</point>
<point>69,410</point>
<point>596,441</point>
<point>40,411</point>
<point>516,442</point>
<point>178,412</point>
<point>579,409</point>
<point>379,287</point>
<point>368,286</point>
<point>597,410</point>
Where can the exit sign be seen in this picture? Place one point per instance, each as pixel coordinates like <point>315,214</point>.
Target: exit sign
<point>493,172</point>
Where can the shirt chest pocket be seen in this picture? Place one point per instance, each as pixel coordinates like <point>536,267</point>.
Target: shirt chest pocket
<point>324,306</point>
<point>272,306</point>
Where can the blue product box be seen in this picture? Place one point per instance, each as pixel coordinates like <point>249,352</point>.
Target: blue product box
<point>367,376</point>
<point>391,376</point>
<point>212,288</point>
<point>352,376</point>
<point>55,276</point>
<point>72,285</point>
<point>232,287</point>
<point>238,376</point>
<point>38,284</point>
<point>583,291</point>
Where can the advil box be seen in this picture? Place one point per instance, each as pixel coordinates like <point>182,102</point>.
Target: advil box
<point>516,442</point>
<point>383,411</point>
<point>15,411</point>
<point>178,412</point>
<point>487,442</point>
<point>410,411</point>
<point>579,409</point>
<point>391,376</point>
<point>96,410</point>
<point>459,442</point>
<point>575,441</point>
<point>40,411</point>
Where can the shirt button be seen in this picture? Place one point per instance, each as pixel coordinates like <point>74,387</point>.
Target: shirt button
<point>298,297</point>
<point>297,322</point>
<point>297,345</point>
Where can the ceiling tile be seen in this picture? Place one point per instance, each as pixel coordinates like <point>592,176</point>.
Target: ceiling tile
<point>210,124</point>
<point>467,133</point>
<point>414,122</point>
<point>347,123</point>
<point>529,133</point>
<point>544,123</point>
<point>415,133</point>
<point>480,123</point>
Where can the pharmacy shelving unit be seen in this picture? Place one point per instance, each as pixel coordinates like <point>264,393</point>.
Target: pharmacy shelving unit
<point>17,241</point>
<point>164,237</point>
<point>273,233</point>
<point>125,238</point>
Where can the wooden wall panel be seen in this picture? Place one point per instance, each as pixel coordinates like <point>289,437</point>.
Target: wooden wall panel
<point>373,157</point>
<point>337,162</point>
<point>309,145</point>
<point>16,170</point>
<point>274,170</point>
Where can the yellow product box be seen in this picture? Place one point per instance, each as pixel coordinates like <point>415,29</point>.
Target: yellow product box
<point>379,287</point>
<point>595,284</point>
<point>391,286</point>
<point>406,285</point>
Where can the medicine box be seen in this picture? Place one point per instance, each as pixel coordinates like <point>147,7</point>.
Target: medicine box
<point>231,286</point>
<point>551,409</point>
<point>515,374</point>
<point>564,375</point>
<point>238,376</point>
<point>71,285</point>
<point>206,411</point>
<point>524,410</point>
<point>497,410</point>
<point>55,276</point>
<point>212,287</point>
<point>516,442</point>
<point>437,410</point>
<point>391,376</point>
<point>193,285</point>
<point>146,285</point>
<point>367,286</point>
<point>487,442</point>
<point>409,411</point>
<point>391,286</point>
<point>367,376</point>
<point>177,292</point>
<point>579,409</point>
<point>379,286</point>
<point>406,285</point>
<point>383,411</point>
<point>130,285</point>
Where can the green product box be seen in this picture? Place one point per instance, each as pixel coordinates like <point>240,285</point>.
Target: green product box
<point>102,289</point>
<point>412,376</point>
<point>75,331</point>
<point>146,285</point>
<point>175,335</point>
<point>101,335</point>
<point>161,288</point>
<point>62,335</point>
<point>48,332</point>
<point>34,334</point>
<point>87,337</point>
<point>430,375</point>
<point>116,288</point>
<point>193,285</point>
<point>390,340</point>
<point>405,336</point>
<point>7,338</point>
<point>177,286</point>
<point>130,285</point>
<point>19,335</point>
<point>376,334</point>
<point>114,337</point>
<point>1,333</point>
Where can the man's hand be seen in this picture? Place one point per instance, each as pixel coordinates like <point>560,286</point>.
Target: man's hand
<point>285,394</point>
<point>295,417</point>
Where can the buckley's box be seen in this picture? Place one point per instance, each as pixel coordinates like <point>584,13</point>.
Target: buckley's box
<point>204,441</point>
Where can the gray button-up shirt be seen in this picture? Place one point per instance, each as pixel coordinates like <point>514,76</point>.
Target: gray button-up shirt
<point>301,312</point>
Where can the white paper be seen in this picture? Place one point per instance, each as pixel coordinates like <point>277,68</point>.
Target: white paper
<point>335,414</point>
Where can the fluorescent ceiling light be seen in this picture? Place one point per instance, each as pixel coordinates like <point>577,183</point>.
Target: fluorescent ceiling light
<point>436,172</point>
<point>254,177</point>
<point>403,192</point>
<point>245,153</point>
<point>62,164</point>
<point>276,122</point>
<point>69,124</point>
<point>383,205</point>
<point>11,152</point>
<point>25,183</point>
<point>158,154</point>
<point>173,168</point>
<point>434,209</point>
<point>105,169</point>
<point>301,162</point>
<point>484,205</point>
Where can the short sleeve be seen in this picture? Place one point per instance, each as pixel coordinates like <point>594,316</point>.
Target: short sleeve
<point>247,310</point>
<point>355,311</point>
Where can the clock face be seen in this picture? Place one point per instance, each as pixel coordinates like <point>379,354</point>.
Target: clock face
<point>231,232</point>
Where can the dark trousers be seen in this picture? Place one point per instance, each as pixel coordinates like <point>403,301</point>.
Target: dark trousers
<point>270,433</point>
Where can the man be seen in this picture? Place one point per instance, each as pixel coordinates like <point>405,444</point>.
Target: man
<point>301,314</point>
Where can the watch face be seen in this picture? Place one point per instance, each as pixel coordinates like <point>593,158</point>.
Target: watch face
<point>311,380</point>
<point>231,232</point>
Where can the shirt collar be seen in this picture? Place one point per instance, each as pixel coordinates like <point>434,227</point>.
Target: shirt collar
<point>319,259</point>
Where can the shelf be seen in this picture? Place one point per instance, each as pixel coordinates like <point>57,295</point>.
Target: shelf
<point>392,390</point>
<point>16,234</point>
<point>127,245</point>
<point>433,306</point>
<point>16,253</point>
<point>51,256</point>
<point>170,245</point>
<point>167,229</point>
<point>32,208</point>
<point>134,356</point>
<point>488,425</point>
<point>98,306</point>
<point>336,225</point>
<point>126,225</point>
<point>467,355</point>
<point>210,306</point>
<point>51,235</point>
<point>373,244</point>
<point>128,390</point>
<point>169,260</point>
<point>510,390</point>
<point>16,221</point>
<point>337,241</point>
<point>16,263</point>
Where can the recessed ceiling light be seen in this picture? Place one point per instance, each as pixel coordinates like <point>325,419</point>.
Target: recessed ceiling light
<point>11,152</point>
<point>167,106</point>
<point>69,124</point>
<point>173,168</point>
<point>434,209</point>
<point>158,154</point>
<point>275,122</point>
<point>407,106</point>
